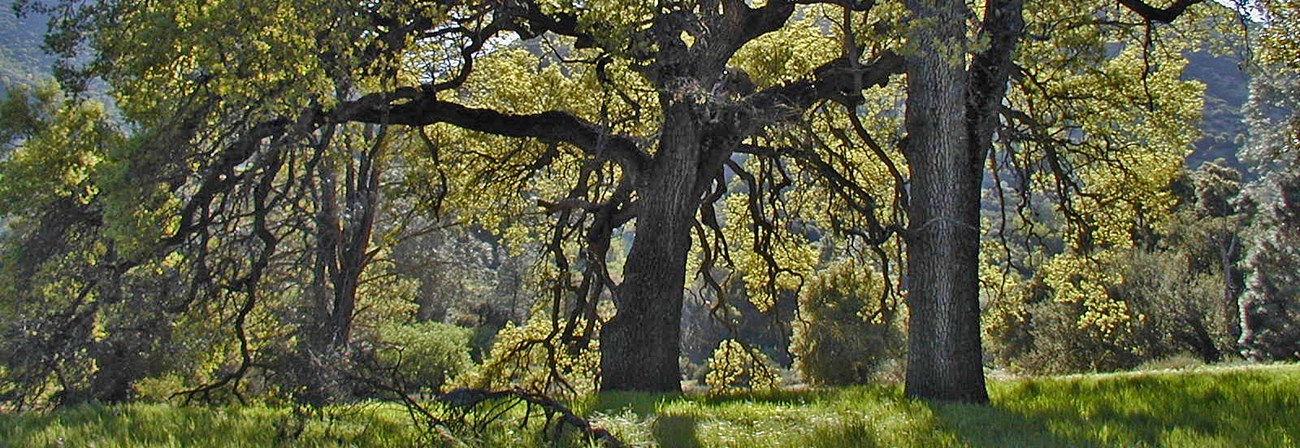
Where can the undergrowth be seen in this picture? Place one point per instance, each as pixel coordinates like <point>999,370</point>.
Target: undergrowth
<point>1201,407</point>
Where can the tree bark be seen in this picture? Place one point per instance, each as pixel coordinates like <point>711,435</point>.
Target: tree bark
<point>944,353</point>
<point>640,345</point>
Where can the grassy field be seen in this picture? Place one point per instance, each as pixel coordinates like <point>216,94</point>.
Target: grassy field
<point>1205,407</point>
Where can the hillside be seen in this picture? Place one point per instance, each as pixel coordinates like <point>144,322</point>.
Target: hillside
<point>1226,89</point>
<point>21,59</point>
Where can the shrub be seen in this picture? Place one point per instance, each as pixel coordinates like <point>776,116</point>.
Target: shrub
<point>846,329</point>
<point>1167,310</point>
<point>732,368</point>
<point>425,355</point>
<point>527,357</point>
<point>1181,361</point>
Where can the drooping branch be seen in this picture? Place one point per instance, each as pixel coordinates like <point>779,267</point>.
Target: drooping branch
<point>856,198</point>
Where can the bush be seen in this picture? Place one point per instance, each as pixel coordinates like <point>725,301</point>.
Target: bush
<point>1182,361</point>
<point>1167,310</point>
<point>732,368</point>
<point>524,357</point>
<point>424,355</point>
<point>846,330</point>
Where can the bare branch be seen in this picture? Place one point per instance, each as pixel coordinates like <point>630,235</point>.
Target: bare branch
<point>1162,15</point>
<point>549,126</point>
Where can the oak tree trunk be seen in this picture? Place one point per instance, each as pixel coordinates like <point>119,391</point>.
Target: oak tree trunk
<point>944,353</point>
<point>640,345</point>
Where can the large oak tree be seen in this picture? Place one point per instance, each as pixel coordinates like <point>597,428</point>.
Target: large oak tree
<point>656,151</point>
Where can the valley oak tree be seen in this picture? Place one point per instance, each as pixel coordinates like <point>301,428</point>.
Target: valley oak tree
<point>658,116</point>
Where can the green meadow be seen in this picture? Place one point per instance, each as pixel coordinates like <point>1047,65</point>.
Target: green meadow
<point>1203,407</point>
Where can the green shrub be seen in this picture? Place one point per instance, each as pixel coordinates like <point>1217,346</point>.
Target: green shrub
<point>732,369</point>
<point>846,329</point>
<point>528,357</point>
<point>1168,310</point>
<point>425,355</point>
<point>1182,361</point>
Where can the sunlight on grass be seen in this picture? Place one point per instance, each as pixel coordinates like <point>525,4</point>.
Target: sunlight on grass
<point>153,425</point>
<point>1204,407</point>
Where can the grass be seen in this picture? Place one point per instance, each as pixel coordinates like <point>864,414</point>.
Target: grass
<point>160,425</point>
<point>1201,407</point>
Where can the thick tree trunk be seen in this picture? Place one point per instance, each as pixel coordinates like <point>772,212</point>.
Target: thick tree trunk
<point>944,353</point>
<point>640,345</point>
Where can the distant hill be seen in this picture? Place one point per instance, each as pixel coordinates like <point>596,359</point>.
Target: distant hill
<point>22,61</point>
<point>1226,87</point>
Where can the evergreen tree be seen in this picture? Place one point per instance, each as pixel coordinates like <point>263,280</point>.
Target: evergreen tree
<point>1270,308</point>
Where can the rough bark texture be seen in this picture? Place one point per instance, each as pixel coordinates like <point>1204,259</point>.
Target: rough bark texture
<point>641,344</point>
<point>944,353</point>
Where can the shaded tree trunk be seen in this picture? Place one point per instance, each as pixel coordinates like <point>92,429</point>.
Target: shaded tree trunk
<point>1233,282</point>
<point>944,353</point>
<point>343,233</point>
<point>640,345</point>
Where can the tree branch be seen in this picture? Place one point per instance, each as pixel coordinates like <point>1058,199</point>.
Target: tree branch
<point>1162,15</point>
<point>836,80</point>
<point>221,176</point>
<point>549,126</point>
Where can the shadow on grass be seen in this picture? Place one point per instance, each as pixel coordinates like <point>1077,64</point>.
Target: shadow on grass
<point>667,430</point>
<point>1227,408</point>
<point>676,431</point>
<point>980,426</point>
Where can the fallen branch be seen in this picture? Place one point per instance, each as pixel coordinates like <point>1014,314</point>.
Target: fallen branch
<point>468,399</point>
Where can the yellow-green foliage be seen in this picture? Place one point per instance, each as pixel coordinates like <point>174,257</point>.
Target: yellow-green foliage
<point>266,56</point>
<point>500,178</point>
<point>846,326</point>
<point>1120,122</point>
<point>531,357</point>
<point>59,144</point>
<point>789,53</point>
<point>1281,40</point>
<point>732,369</point>
<point>793,257</point>
<point>425,354</point>
<point>1084,280</point>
